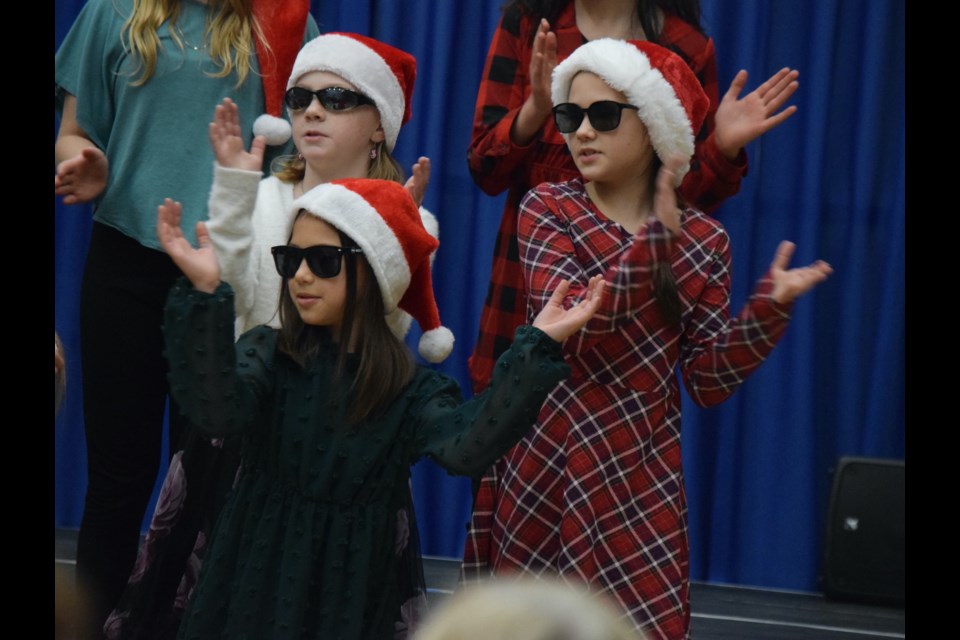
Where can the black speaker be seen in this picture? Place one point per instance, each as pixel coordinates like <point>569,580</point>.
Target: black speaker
<point>864,549</point>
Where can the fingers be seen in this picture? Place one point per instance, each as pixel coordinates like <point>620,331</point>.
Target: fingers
<point>776,97</point>
<point>540,40</point>
<point>739,82</point>
<point>595,292</point>
<point>258,146</point>
<point>424,163</point>
<point>806,278</point>
<point>226,119</point>
<point>777,81</point>
<point>778,119</point>
<point>782,257</point>
<point>550,50</point>
<point>203,236</point>
<point>92,154</point>
<point>556,298</point>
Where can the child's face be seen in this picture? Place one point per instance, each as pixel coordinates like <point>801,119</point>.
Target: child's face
<point>613,157</point>
<point>335,143</point>
<point>319,301</point>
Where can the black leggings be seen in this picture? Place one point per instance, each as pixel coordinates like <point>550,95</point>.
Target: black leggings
<point>124,393</point>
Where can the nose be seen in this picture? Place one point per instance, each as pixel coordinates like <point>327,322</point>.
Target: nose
<point>315,109</point>
<point>303,274</point>
<point>585,131</point>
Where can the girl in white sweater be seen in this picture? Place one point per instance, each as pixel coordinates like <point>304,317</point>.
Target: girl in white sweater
<point>347,97</point>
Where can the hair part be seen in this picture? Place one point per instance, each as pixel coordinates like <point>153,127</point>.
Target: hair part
<point>384,363</point>
<point>232,31</point>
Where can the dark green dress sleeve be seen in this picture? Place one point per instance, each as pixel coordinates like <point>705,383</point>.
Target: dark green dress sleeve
<point>467,437</point>
<point>218,385</point>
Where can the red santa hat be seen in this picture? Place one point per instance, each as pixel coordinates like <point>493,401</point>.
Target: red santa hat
<point>379,71</point>
<point>382,218</point>
<point>283,24</point>
<point>669,99</point>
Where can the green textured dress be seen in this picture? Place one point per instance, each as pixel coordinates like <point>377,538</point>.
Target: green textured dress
<point>307,545</point>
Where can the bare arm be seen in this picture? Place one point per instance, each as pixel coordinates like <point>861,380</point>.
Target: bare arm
<point>82,167</point>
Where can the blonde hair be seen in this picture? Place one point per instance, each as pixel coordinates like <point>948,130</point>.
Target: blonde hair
<point>526,609</point>
<point>231,32</point>
<point>383,167</point>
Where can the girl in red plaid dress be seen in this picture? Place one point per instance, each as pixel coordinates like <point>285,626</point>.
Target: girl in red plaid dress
<point>515,145</point>
<point>595,491</point>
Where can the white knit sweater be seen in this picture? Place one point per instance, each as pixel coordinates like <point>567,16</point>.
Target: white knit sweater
<point>248,216</point>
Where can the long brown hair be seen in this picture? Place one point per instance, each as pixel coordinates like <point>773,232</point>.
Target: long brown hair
<point>384,363</point>
<point>231,32</point>
<point>664,282</point>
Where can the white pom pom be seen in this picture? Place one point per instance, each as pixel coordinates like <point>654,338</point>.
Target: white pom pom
<point>275,130</point>
<point>436,344</point>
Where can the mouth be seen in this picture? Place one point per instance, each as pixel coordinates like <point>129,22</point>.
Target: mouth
<point>587,153</point>
<point>313,135</point>
<point>304,300</point>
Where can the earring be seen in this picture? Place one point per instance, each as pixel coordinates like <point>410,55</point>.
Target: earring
<point>373,153</point>
<point>299,156</point>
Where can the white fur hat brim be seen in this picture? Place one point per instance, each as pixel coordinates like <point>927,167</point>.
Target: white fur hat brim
<point>362,67</point>
<point>627,69</point>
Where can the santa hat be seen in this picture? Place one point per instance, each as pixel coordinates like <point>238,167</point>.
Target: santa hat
<point>283,24</point>
<point>383,73</point>
<point>670,101</point>
<point>381,217</point>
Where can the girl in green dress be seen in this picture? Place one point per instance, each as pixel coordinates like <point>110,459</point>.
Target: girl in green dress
<point>333,411</point>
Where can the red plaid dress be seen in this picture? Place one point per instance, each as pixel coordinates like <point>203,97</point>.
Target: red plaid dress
<point>497,164</point>
<point>595,491</point>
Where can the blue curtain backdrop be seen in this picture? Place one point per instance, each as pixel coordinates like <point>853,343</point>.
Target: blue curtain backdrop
<point>831,179</point>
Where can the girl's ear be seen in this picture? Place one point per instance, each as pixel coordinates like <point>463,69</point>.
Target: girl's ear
<point>378,135</point>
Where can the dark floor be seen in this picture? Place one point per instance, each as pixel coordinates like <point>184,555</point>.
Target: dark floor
<point>719,612</point>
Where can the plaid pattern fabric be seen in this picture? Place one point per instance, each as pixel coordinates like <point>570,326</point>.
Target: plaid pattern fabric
<point>595,491</point>
<point>498,165</point>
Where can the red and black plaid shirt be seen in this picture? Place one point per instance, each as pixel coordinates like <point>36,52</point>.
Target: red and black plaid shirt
<point>497,164</point>
<point>595,491</point>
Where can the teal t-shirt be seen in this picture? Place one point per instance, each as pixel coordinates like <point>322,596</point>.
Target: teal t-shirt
<point>154,135</point>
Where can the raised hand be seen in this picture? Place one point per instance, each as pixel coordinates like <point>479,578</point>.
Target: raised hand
<point>538,105</point>
<point>739,121</point>
<point>665,196</point>
<point>419,178</point>
<point>790,284</point>
<point>83,177</point>
<point>199,265</point>
<point>542,63</point>
<point>227,140</point>
<point>560,323</point>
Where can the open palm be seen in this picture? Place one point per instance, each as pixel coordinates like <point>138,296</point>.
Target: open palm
<point>200,264</point>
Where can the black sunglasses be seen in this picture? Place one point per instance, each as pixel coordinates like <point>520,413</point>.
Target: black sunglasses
<point>604,115</point>
<point>324,260</point>
<point>331,98</point>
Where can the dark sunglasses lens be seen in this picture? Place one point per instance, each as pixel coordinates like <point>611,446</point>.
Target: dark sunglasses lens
<point>336,99</point>
<point>324,261</point>
<point>287,261</point>
<point>567,117</point>
<point>604,116</point>
<point>297,98</point>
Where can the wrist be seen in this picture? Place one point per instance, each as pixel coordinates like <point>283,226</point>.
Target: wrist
<point>206,286</point>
